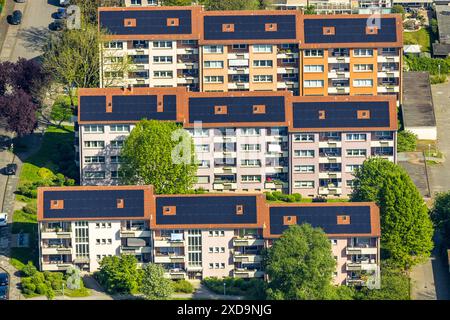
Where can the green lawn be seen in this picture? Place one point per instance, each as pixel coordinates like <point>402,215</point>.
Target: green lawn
<point>421,37</point>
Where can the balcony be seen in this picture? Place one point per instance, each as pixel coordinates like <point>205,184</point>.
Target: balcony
<point>166,242</point>
<point>330,175</point>
<point>185,51</point>
<point>339,90</point>
<point>338,74</point>
<point>55,265</point>
<point>169,258</point>
<point>361,250</point>
<point>330,190</point>
<point>238,56</point>
<point>129,233</point>
<point>176,274</point>
<point>238,85</point>
<point>382,143</point>
<point>386,58</point>
<point>284,54</point>
<point>330,144</point>
<point>56,235</point>
<point>388,88</point>
<point>187,65</point>
<point>135,250</point>
<point>224,185</point>
<point>246,257</point>
<point>242,70</point>
<point>330,159</point>
<point>287,70</point>
<point>247,242</point>
<point>361,266</point>
<point>219,169</point>
<point>247,273</point>
<point>339,59</point>
<point>56,250</point>
<point>389,74</point>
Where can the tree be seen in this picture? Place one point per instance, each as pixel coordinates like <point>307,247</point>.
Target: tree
<point>119,274</point>
<point>176,2</point>
<point>222,5</point>
<point>19,112</point>
<point>161,154</point>
<point>300,265</point>
<point>406,141</point>
<point>441,216</point>
<point>61,110</point>
<point>154,285</point>
<point>29,76</point>
<point>310,10</point>
<point>398,9</point>
<point>406,228</point>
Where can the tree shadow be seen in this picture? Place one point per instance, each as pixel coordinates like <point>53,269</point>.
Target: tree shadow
<point>34,38</point>
<point>441,272</point>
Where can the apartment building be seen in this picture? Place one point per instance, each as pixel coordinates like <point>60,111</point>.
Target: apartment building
<point>266,50</point>
<point>195,236</point>
<point>246,141</point>
<point>140,3</point>
<point>333,6</point>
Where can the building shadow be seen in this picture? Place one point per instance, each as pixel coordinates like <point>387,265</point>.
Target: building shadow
<point>441,270</point>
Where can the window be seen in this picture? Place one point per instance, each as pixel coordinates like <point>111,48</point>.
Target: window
<point>250,147</point>
<point>202,179</point>
<point>304,168</point>
<point>222,265</point>
<point>288,60</point>
<point>211,233</point>
<point>162,44</point>
<point>250,132</point>
<point>334,242</point>
<point>239,46</point>
<point>262,63</point>
<point>94,128</point>
<point>313,83</point>
<point>356,137</point>
<point>94,144</point>
<point>259,48</point>
<point>117,143</point>
<point>116,159</point>
<point>213,79</point>
<point>363,52</point>
<point>222,233</point>
<point>94,159</point>
<point>113,60</point>
<point>162,59</point>
<point>304,137</point>
<point>202,148</point>
<point>251,178</point>
<point>250,163</point>
<point>211,265</point>
<point>304,153</point>
<point>313,68</point>
<point>304,184</point>
<point>198,133</point>
<point>352,167</point>
<point>113,74</point>
<point>204,164</point>
<point>163,74</point>
<point>213,64</point>
<point>113,45</point>
<point>94,174</point>
<point>263,78</point>
<point>350,183</point>
<point>356,152</point>
<point>213,49</point>
<point>363,83</point>
<point>363,67</point>
<point>119,128</point>
<point>222,249</point>
<point>114,174</point>
<point>313,53</point>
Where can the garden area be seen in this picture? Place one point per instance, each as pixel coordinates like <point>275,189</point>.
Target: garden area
<point>279,197</point>
<point>249,288</point>
<point>52,165</point>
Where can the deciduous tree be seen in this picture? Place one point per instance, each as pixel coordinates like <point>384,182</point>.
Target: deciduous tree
<point>441,216</point>
<point>119,274</point>
<point>222,5</point>
<point>161,154</point>
<point>154,285</point>
<point>19,112</point>
<point>406,141</point>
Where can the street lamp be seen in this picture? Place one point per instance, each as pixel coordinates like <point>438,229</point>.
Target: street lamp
<point>224,290</point>
<point>429,150</point>
<point>439,68</point>
<point>63,290</point>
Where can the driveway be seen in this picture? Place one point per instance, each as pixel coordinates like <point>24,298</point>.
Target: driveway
<point>24,40</point>
<point>439,174</point>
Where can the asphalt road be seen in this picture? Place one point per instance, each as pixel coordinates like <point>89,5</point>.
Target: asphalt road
<point>24,40</point>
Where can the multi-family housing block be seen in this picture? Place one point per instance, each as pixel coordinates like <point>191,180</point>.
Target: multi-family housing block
<point>211,51</point>
<point>244,141</point>
<point>195,236</point>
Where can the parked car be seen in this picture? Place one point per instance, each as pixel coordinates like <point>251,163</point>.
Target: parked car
<point>4,279</point>
<point>3,292</point>
<point>16,17</point>
<point>64,3</point>
<point>11,169</point>
<point>21,1</point>
<point>58,25</point>
<point>3,219</point>
<point>61,13</point>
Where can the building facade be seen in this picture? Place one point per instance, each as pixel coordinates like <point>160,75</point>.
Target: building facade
<point>247,141</point>
<point>195,236</point>
<point>276,50</point>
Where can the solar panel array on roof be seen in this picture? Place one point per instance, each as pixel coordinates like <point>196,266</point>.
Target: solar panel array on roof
<point>148,22</point>
<point>323,217</point>
<point>94,204</point>
<point>127,108</point>
<point>250,27</point>
<point>207,210</point>
<point>349,31</point>
<point>340,114</point>
<point>239,109</point>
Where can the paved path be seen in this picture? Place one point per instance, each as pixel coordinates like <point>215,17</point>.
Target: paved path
<point>439,174</point>
<point>24,40</point>
<point>414,164</point>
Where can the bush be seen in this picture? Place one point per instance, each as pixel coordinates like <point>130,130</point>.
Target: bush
<point>28,287</point>
<point>250,288</point>
<point>183,286</point>
<point>428,64</point>
<point>406,141</point>
<point>297,196</point>
<point>29,269</point>
<point>278,195</point>
<point>30,208</point>
<point>438,79</point>
<point>41,288</point>
<point>269,196</point>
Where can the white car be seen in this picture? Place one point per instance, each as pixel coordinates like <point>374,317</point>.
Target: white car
<point>3,219</point>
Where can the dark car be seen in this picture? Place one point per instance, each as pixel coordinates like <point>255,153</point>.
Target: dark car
<point>3,279</point>
<point>16,17</point>
<point>11,169</point>
<point>58,25</point>
<point>3,292</point>
<point>61,14</point>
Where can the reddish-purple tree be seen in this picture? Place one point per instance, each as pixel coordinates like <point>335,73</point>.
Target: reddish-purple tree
<point>6,70</point>
<point>19,111</point>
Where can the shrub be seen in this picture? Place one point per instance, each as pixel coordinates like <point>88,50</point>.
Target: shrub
<point>278,195</point>
<point>250,288</point>
<point>28,287</point>
<point>183,286</point>
<point>46,174</point>
<point>297,196</point>
<point>29,269</point>
<point>30,209</point>
<point>290,198</point>
<point>436,79</point>
<point>406,141</point>
<point>41,288</point>
<point>270,197</point>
